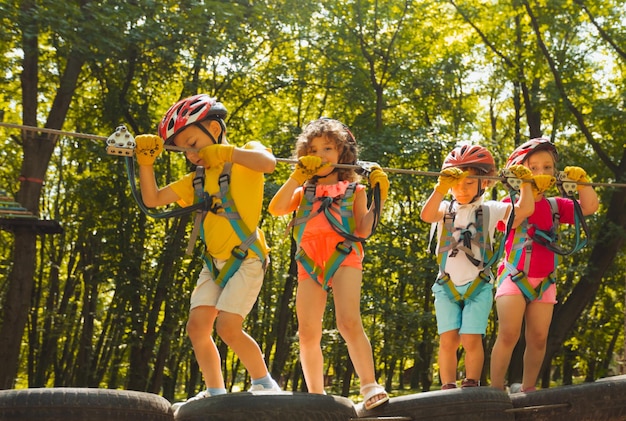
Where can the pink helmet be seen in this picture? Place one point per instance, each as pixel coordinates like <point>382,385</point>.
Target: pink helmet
<point>523,151</point>
<point>189,111</point>
<point>474,156</point>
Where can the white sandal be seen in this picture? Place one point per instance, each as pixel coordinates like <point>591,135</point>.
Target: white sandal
<point>373,389</point>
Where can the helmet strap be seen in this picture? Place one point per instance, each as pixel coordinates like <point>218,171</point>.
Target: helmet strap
<point>208,133</point>
<point>480,191</point>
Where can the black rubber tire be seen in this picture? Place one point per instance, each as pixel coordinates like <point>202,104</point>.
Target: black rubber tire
<point>603,400</point>
<point>265,406</point>
<point>82,404</point>
<point>476,403</point>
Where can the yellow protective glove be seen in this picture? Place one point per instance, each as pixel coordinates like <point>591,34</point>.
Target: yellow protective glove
<point>449,178</point>
<point>541,183</point>
<point>521,172</point>
<point>577,174</point>
<point>307,167</point>
<point>215,155</point>
<point>147,148</point>
<point>379,178</point>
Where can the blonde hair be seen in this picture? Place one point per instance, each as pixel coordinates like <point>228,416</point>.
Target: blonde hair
<point>340,135</point>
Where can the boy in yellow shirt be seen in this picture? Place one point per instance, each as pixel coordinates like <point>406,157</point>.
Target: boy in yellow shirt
<point>235,252</point>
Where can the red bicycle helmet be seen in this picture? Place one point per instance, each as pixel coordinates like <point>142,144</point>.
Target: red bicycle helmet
<point>474,156</point>
<point>189,111</point>
<point>523,151</point>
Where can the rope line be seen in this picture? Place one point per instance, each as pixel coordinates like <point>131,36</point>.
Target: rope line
<point>282,160</point>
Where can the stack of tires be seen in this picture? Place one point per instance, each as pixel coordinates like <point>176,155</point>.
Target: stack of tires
<point>603,400</point>
<point>82,404</point>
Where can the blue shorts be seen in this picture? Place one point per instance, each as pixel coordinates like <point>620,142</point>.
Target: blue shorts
<point>472,318</point>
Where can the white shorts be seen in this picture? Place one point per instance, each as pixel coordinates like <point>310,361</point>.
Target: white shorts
<point>239,294</point>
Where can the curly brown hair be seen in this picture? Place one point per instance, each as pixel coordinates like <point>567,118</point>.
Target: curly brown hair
<point>336,132</point>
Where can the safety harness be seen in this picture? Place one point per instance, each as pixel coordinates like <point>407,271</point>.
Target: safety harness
<point>342,206</point>
<point>454,239</point>
<point>223,205</point>
<point>523,241</point>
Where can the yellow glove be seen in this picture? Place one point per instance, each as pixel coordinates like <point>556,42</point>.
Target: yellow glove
<point>541,183</point>
<point>577,174</point>
<point>379,177</point>
<point>449,178</point>
<point>307,167</point>
<point>147,148</point>
<point>215,155</point>
<point>521,172</point>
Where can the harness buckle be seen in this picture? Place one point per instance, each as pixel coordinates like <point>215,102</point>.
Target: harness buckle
<point>239,253</point>
<point>343,248</point>
<point>211,203</point>
<point>484,277</point>
<point>518,276</point>
<point>443,279</point>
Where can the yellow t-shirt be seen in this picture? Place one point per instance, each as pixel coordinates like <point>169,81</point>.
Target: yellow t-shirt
<point>246,187</point>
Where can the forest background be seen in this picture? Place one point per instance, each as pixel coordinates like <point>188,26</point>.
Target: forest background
<point>104,303</point>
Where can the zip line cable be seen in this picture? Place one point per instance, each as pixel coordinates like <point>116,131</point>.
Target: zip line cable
<point>281,160</point>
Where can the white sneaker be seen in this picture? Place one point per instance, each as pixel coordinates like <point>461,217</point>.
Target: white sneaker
<point>260,388</point>
<point>203,394</point>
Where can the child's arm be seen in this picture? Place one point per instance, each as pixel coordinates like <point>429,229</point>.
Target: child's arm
<point>363,217</point>
<point>285,201</point>
<point>587,196</point>
<point>432,210</point>
<point>256,157</point>
<point>148,147</point>
<point>525,205</point>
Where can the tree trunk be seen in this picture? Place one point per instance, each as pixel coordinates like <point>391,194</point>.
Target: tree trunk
<point>164,293</point>
<point>37,152</point>
<point>610,239</point>
<point>285,316</point>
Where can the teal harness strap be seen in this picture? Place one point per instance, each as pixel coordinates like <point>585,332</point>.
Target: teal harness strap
<point>450,246</point>
<point>343,205</point>
<point>522,241</point>
<point>249,239</point>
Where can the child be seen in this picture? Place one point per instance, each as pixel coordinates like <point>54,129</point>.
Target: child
<point>466,225</point>
<point>326,258</point>
<point>232,273</point>
<point>512,305</point>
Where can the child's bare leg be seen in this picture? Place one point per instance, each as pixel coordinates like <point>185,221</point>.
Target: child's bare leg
<point>474,355</point>
<point>538,319</point>
<point>229,328</point>
<point>510,316</point>
<point>310,306</point>
<point>448,346</point>
<point>200,329</point>
<point>347,297</point>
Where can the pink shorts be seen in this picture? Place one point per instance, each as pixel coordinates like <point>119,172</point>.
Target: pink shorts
<point>508,287</point>
<point>320,253</point>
